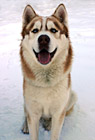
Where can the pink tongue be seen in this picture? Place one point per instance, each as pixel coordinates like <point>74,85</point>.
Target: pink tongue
<point>44,57</point>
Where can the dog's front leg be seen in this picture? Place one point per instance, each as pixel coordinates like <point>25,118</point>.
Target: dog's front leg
<point>33,123</point>
<point>57,122</point>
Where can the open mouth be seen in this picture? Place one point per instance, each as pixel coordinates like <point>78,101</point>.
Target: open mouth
<point>44,57</point>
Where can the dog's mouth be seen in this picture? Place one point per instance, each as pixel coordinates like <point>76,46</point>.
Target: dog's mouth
<point>44,57</point>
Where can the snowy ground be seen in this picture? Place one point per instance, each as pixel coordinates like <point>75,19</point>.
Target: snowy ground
<point>80,125</point>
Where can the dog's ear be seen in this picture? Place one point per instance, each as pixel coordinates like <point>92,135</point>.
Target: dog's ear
<point>28,15</point>
<point>61,14</point>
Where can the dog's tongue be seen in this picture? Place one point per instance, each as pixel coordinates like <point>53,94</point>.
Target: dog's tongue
<point>44,57</point>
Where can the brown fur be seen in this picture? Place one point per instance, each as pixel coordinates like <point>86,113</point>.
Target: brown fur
<point>68,59</point>
<point>27,28</point>
<point>69,80</point>
<point>63,29</point>
<point>25,66</point>
<point>26,31</point>
<point>62,15</point>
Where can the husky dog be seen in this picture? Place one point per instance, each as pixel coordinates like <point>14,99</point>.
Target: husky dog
<point>46,59</point>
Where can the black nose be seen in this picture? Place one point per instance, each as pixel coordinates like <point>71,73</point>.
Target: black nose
<point>43,40</point>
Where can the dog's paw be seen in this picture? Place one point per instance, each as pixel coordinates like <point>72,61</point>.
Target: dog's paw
<point>47,128</point>
<point>25,129</point>
<point>46,123</point>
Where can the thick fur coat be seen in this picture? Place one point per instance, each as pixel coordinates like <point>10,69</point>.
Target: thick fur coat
<point>46,59</point>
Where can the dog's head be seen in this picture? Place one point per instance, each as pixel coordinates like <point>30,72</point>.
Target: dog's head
<point>45,37</point>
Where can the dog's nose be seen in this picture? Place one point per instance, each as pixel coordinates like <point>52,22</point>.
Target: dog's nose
<point>43,39</point>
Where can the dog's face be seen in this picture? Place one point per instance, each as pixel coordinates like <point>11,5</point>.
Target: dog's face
<point>45,38</point>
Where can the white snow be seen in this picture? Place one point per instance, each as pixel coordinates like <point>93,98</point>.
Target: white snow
<point>80,125</point>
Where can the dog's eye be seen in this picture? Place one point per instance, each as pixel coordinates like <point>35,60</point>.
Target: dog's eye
<point>53,30</point>
<point>35,30</point>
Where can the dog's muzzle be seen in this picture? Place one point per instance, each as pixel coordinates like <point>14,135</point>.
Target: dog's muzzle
<point>44,56</point>
<point>43,42</point>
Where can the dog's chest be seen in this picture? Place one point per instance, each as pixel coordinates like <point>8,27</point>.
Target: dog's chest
<point>46,101</point>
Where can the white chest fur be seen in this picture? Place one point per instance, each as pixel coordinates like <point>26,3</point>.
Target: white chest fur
<point>46,101</point>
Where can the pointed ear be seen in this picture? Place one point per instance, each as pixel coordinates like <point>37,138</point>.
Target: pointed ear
<point>61,14</point>
<point>28,14</point>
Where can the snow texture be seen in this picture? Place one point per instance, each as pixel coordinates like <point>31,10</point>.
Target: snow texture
<point>80,125</point>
